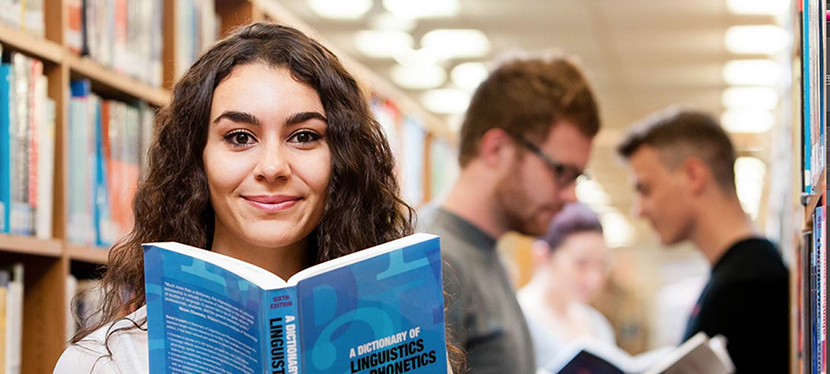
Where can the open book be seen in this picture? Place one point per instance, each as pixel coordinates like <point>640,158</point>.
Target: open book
<point>376,310</point>
<point>698,355</point>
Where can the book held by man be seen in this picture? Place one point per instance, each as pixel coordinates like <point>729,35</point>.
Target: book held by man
<point>379,310</point>
<point>697,355</point>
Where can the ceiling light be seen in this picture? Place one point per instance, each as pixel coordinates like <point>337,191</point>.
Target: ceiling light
<point>340,9</point>
<point>757,39</point>
<point>422,8</point>
<point>468,75</point>
<point>747,121</point>
<point>418,77</point>
<point>770,7</point>
<point>389,21</point>
<point>446,100</point>
<point>448,44</point>
<point>749,182</point>
<point>764,98</point>
<point>751,72</point>
<point>383,44</point>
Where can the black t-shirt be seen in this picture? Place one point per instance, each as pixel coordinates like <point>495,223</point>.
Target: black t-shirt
<point>747,301</point>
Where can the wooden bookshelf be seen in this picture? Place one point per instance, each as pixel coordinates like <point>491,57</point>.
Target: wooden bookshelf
<point>91,255</point>
<point>42,49</point>
<point>31,246</point>
<point>116,84</point>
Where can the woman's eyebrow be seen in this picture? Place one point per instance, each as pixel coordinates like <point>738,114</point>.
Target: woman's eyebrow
<point>304,116</point>
<point>240,117</point>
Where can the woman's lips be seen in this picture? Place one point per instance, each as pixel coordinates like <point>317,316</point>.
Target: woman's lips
<point>272,203</point>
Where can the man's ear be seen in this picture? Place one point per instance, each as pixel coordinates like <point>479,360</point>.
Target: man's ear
<point>697,173</point>
<point>495,147</point>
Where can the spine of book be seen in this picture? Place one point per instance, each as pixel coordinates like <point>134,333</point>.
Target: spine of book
<point>14,319</point>
<point>147,121</point>
<point>7,119</point>
<point>46,167</point>
<point>281,350</point>
<point>33,17</point>
<point>37,95</point>
<point>21,222</point>
<point>74,28</point>
<point>101,215</point>
<point>79,198</point>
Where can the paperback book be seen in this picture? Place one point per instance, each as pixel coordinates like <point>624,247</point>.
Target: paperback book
<point>379,310</point>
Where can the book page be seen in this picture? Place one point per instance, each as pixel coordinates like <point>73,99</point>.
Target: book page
<point>359,256</point>
<point>696,355</point>
<point>250,272</point>
<point>201,317</point>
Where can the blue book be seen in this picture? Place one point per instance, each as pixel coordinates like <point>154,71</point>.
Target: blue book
<point>379,310</point>
<point>7,110</point>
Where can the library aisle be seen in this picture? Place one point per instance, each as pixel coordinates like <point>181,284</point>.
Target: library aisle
<point>81,81</point>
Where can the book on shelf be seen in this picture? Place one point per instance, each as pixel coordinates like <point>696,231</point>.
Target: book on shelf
<point>378,309</point>
<point>11,317</point>
<point>27,122</point>
<point>106,142</point>
<point>698,354</point>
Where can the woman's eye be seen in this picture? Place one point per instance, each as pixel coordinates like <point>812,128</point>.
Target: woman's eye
<point>239,138</point>
<point>304,137</point>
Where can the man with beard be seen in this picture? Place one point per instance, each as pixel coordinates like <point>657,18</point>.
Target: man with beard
<point>525,139</point>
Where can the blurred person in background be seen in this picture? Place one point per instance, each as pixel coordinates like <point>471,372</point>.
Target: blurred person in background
<point>571,266</point>
<point>525,139</point>
<point>682,167</point>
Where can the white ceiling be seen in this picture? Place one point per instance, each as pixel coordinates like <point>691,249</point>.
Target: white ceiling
<point>641,55</point>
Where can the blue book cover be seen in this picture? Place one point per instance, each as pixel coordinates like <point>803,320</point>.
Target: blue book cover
<point>379,310</point>
<point>7,108</point>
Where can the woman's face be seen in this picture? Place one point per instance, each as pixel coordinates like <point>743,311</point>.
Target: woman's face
<point>267,160</point>
<point>581,263</point>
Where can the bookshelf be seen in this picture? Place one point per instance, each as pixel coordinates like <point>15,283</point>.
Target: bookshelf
<point>49,261</point>
<point>809,290</point>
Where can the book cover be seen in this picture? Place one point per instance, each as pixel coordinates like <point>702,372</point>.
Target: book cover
<point>376,310</point>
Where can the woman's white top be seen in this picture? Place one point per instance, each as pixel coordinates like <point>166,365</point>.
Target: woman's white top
<point>549,334</point>
<point>128,348</point>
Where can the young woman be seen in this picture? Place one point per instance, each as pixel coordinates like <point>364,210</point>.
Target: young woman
<point>572,263</point>
<point>268,153</point>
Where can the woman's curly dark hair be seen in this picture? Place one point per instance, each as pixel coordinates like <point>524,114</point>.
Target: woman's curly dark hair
<point>363,207</point>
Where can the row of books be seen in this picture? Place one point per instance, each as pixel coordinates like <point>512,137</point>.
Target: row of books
<point>197,28</point>
<point>107,142</point>
<point>27,147</point>
<point>813,75</point>
<point>26,15</point>
<point>407,135</point>
<point>125,36</point>
<point>812,328</point>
